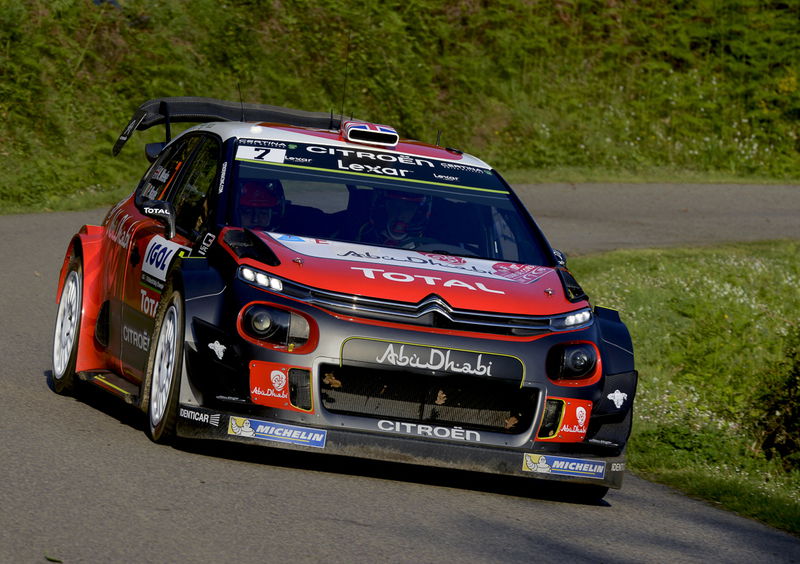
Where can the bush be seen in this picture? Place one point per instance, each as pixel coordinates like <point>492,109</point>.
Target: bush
<point>776,410</point>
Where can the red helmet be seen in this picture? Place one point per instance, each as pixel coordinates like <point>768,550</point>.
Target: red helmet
<point>261,203</point>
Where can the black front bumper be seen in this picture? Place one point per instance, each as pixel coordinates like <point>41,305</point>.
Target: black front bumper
<point>194,422</point>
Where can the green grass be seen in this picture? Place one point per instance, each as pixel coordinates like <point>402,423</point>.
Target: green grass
<point>587,90</point>
<point>713,331</point>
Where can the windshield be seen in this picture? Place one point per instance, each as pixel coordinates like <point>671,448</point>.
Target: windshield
<point>386,210</point>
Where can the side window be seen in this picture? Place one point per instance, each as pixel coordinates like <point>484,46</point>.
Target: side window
<point>191,202</point>
<point>156,183</point>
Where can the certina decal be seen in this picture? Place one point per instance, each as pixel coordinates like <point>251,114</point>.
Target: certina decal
<point>244,427</point>
<point>353,252</point>
<point>158,256</point>
<point>464,168</point>
<point>200,417</point>
<point>618,398</point>
<point>264,143</point>
<point>429,280</point>
<point>563,466</point>
<point>139,339</point>
<point>454,434</point>
<point>218,348</point>
<point>436,360</point>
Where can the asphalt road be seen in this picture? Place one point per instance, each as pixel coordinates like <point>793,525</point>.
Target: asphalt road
<point>82,483</point>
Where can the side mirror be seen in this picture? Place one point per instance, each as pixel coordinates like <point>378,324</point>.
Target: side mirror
<point>561,258</point>
<point>161,211</point>
<point>152,150</point>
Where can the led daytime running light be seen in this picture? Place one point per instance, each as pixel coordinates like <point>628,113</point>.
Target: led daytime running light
<point>259,278</point>
<point>572,320</point>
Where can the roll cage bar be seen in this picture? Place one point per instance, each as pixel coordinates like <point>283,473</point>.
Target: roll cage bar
<point>191,109</point>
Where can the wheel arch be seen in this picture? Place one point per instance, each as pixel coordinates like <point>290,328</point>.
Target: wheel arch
<point>86,246</point>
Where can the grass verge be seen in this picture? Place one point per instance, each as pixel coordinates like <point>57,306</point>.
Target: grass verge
<point>713,329</point>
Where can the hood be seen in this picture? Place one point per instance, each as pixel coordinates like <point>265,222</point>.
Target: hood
<point>410,276</point>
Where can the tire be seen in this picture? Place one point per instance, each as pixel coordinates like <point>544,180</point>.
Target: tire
<point>67,329</point>
<point>164,368</point>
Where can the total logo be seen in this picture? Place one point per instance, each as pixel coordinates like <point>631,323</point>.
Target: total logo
<point>371,273</point>
<point>148,305</point>
<point>158,256</point>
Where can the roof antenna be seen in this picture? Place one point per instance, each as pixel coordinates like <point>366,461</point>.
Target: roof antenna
<point>346,68</point>
<point>438,136</point>
<point>241,101</point>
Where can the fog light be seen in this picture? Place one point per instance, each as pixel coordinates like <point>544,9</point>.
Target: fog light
<point>277,326</point>
<point>573,361</point>
<point>261,321</point>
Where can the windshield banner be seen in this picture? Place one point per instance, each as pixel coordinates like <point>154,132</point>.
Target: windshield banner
<point>365,162</point>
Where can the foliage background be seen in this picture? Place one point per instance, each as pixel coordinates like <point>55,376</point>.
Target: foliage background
<point>646,88</point>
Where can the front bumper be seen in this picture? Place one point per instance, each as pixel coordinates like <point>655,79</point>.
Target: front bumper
<point>195,422</point>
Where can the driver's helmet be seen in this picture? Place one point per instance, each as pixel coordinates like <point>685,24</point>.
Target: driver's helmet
<point>401,215</point>
<point>261,203</point>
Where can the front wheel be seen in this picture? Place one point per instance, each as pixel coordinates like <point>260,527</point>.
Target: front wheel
<point>164,368</point>
<point>67,330</point>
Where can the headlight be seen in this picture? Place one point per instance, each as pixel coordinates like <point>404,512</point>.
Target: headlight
<point>572,320</point>
<point>258,278</point>
<point>573,361</point>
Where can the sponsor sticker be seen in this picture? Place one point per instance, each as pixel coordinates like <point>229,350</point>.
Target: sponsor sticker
<point>264,154</point>
<point>157,258</point>
<point>354,252</point>
<point>200,416</point>
<point>365,162</point>
<point>269,384</point>
<point>278,432</point>
<point>618,398</point>
<point>421,358</point>
<point>563,466</point>
<point>447,433</point>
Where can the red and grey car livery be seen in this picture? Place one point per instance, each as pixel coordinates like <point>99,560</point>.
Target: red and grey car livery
<point>282,278</point>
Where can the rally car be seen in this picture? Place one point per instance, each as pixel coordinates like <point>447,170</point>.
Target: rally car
<point>300,280</point>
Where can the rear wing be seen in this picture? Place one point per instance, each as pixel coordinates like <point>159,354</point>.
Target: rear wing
<point>185,109</point>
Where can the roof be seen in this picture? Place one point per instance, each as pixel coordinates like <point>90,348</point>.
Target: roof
<point>231,118</point>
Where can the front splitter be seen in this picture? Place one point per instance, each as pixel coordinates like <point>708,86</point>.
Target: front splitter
<point>200,423</point>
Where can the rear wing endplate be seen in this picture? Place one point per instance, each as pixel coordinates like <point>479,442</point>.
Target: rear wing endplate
<point>184,109</point>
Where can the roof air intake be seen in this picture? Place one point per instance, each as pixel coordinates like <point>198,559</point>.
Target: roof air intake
<point>370,133</point>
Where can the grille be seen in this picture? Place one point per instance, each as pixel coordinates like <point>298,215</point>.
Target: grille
<point>432,311</point>
<point>474,403</point>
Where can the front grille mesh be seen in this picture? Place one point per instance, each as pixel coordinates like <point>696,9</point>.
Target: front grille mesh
<point>473,403</point>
